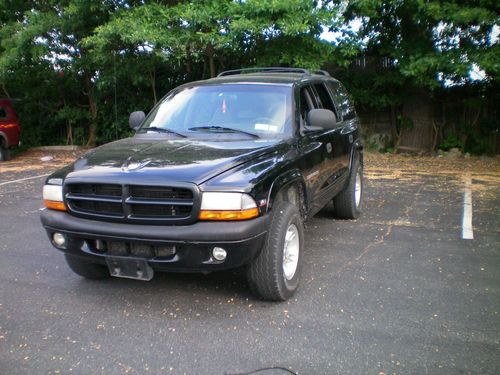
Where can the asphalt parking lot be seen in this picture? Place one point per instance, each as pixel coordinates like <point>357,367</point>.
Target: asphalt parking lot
<point>396,292</point>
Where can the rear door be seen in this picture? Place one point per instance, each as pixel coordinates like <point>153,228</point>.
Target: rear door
<point>349,120</point>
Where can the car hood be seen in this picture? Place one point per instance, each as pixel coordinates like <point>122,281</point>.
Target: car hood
<point>161,159</point>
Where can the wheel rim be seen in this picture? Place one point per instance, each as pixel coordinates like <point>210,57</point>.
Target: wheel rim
<point>357,189</point>
<point>291,251</point>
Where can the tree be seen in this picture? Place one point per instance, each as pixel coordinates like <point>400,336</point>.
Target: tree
<point>223,33</point>
<point>416,46</point>
<point>49,35</point>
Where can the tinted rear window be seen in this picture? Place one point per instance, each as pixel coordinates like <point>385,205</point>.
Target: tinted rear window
<point>342,99</point>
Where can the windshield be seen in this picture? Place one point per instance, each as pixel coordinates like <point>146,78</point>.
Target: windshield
<point>246,109</point>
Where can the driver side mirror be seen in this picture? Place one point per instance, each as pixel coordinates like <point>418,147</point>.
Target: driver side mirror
<point>321,118</point>
<point>135,119</point>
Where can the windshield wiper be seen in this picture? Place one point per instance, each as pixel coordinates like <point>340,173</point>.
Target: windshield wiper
<point>162,130</point>
<point>223,129</point>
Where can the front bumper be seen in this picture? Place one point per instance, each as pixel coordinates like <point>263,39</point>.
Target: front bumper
<point>192,243</point>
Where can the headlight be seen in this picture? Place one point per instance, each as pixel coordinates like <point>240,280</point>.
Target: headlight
<point>227,206</point>
<point>53,197</point>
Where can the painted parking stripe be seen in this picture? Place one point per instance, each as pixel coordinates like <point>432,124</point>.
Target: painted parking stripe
<point>24,179</point>
<point>467,233</point>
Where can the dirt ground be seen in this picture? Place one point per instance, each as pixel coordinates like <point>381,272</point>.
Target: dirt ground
<point>32,160</point>
<point>484,171</point>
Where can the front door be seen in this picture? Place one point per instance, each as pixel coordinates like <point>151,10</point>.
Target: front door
<point>321,153</point>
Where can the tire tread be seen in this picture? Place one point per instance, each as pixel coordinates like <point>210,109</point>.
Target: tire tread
<point>4,151</point>
<point>263,274</point>
<point>344,203</point>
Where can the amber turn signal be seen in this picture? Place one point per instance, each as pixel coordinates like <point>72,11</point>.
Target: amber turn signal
<point>229,215</point>
<point>54,205</point>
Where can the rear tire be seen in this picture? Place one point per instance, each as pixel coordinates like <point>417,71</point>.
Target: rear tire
<point>275,274</point>
<point>4,151</point>
<point>348,203</point>
<point>86,269</point>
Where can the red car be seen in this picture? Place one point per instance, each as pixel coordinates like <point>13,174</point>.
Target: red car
<point>10,129</point>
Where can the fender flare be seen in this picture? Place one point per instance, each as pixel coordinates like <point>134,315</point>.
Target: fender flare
<point>283,180</point>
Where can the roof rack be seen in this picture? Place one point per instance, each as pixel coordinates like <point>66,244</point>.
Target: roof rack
<point>264,70</point>
<point>322,73</point>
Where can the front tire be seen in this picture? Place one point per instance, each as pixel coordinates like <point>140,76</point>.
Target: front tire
<point>275,274</point>
<point>347,204</point>
<point>86,269</point>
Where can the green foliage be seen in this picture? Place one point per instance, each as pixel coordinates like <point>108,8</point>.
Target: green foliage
<point>405,122</point>
<point>85,65</point>
<point>221,33</point>
<point>432,37</point>
<point>450,142</point>
<point>479,145</point>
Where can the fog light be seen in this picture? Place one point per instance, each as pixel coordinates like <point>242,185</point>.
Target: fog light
<point>59,239</point>
<point>219,253</point>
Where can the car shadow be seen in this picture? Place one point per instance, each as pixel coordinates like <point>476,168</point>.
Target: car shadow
<point>172,289</point>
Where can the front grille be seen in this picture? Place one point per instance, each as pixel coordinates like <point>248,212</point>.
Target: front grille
<point>114,209</point>
<point>131,203</point>
<point>97,189</point>
<point>153,210</point>
<point>155,192</point>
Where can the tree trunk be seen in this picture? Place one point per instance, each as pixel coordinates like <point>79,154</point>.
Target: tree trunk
<point>211,61</point>
<point>435,128</point>
<point>394,127</point>
<point>4,89</point>
<point>435,134</point>
<point>91,140</point>
<point>221,60</point>
<point>69,133</point>
<point>205,65</point>
<point>188,62</point>
<point>152,76</point>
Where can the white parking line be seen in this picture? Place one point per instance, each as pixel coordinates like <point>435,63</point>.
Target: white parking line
<point>24,179</point>
<point>467,233</point>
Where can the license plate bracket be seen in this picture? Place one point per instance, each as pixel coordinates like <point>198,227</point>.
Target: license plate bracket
<point>129,268</point>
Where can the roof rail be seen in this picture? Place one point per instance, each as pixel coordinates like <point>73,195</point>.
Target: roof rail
<point>322,73</point>
<point>263,70</point>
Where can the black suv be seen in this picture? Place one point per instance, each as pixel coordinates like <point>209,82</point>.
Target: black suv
<point>220,174</point>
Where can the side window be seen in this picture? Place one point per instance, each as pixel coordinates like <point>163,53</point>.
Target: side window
<point>342,99</point>
<point>325,98</point>
<point>3,112</point>
<point>307,102</point>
